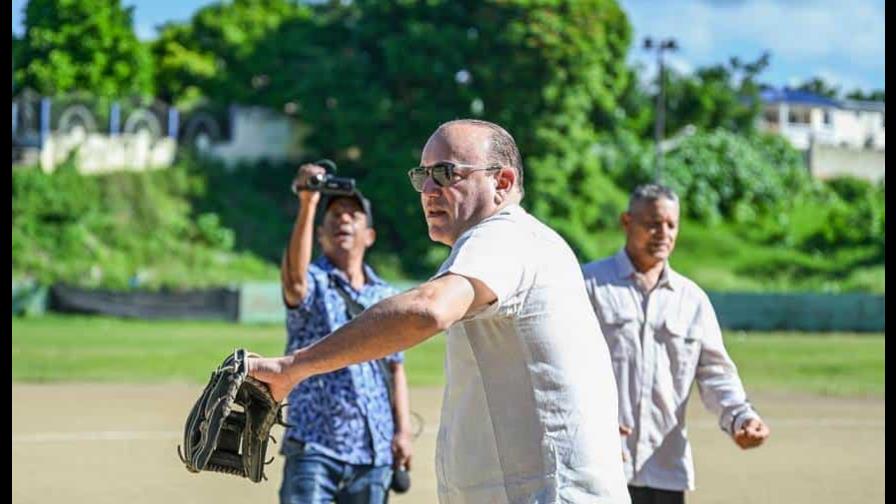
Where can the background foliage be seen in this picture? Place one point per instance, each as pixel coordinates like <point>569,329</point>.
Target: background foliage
<point>371,80</point>
<point>122,230</point>
<point>86,45</point>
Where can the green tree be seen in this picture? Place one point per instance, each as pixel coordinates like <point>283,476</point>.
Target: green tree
<point>720,175</point>
<point>716,96</point>
<point>819,86</point>
<point>855,215</point>
<point>873,95</point>
<point>208,56</point>
<point>16,51</point>
<point>86,45</point>
<point>373,79</point>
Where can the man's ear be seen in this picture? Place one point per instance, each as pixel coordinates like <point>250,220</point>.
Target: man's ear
<point>625,219</point>
<point>506,178</point>
<point>369,237</point>
<point>504,183</point>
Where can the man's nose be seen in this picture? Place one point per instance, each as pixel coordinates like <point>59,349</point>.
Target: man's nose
<point>430,186</point>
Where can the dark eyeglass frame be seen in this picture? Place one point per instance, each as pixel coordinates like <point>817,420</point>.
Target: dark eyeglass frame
<point>443,173</point>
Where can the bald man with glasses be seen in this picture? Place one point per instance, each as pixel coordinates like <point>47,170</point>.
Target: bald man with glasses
<point>530,407</point>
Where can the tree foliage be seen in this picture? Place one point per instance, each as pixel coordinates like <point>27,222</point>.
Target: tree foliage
<point>373,79</point>
<point>85,45</point>
<point>370,80</point>
<point>719,175</point>
<point>209,56</point>
<point>715,96</point>
<point>118,229</point>
<point>873,95</point>
<point>855,215</point>
<point>821,87</point>
<point>724,175</point>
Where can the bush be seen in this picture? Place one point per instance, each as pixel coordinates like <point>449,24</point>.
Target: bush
<point>718,175</point>
<point>721,175</point>
<point>121,230</point>
<point>855,215</point>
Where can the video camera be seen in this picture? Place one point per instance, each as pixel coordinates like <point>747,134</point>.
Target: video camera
<point>327,183</point>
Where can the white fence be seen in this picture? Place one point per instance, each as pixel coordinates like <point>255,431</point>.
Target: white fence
<point>139,133</point>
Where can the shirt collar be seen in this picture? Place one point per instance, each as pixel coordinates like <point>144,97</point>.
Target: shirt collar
<point>625,269</point>
<point>510,209</point>
<point>371,278</point>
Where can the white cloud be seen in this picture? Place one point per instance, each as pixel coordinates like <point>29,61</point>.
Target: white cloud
<point>812,29</point>
<point>844,38</point>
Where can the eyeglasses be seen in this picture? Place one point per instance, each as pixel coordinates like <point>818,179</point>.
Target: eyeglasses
<point>443,174</point>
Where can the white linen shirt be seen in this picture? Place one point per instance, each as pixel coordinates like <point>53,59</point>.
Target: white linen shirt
<point>659,346</point>
<point>529,409</point>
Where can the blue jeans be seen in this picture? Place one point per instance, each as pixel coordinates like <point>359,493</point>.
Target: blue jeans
<point>311,477</point>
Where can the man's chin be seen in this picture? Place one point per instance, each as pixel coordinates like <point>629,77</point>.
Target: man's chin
<point>661,255</point>
<point>439,235</point>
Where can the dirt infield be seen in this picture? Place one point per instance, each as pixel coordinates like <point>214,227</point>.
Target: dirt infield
<point>102,444</point>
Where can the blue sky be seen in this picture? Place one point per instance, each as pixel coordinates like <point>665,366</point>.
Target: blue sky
<point>839,40</point>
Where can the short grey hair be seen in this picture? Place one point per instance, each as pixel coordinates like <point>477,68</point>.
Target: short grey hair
<point>502,151</point>
<point>651,192</point>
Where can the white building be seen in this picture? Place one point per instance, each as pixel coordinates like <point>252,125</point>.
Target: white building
<point>839,137</point>
<point>804,117</point>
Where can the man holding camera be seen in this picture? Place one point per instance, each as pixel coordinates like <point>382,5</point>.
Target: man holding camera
<point>348,428</point>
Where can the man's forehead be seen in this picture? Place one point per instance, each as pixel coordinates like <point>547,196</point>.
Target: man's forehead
<point>655,206</point>
<point>462,143</point>
<point>343,202</point>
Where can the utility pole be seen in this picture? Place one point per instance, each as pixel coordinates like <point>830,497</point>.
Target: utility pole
<point>660,46</point>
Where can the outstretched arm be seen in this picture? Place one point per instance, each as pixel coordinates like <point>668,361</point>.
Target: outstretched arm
<point>392,325</point>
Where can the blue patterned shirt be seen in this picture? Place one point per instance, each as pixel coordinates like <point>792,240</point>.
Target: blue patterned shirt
<point>345,414</point>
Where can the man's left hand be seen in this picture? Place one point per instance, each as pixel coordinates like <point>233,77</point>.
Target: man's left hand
<point>751,434</point>
<point>402,450</point>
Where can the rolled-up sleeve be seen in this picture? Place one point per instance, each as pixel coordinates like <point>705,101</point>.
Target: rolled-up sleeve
<point>720,387</point>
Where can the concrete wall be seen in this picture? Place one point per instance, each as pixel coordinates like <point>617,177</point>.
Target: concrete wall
<point>259,134</point>
<point>826,161</point>
<point>256,134</point>
<point>99,153</point>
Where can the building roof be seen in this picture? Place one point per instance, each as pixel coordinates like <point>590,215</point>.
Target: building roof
<point>787,95</point>
<point>869,106</point>
<point>798,97</point>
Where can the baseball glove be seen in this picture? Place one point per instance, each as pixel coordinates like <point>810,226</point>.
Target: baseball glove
<point>229,426</point>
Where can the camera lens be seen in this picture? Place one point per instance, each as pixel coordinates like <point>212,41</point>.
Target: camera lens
<point>317,180</point>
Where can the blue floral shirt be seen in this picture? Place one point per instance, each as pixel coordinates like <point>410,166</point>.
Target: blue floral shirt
<point>345,414</point>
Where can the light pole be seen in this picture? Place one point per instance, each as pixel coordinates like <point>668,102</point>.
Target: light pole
<point>660,46</point>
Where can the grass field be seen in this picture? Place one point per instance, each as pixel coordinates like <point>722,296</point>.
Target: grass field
<point>92,349</point>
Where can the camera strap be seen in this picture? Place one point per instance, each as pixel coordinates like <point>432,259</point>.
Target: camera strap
<point>400,478</point>
<point>352,310</point>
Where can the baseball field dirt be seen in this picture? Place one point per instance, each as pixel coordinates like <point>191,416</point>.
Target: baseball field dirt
<point>105,443</point>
